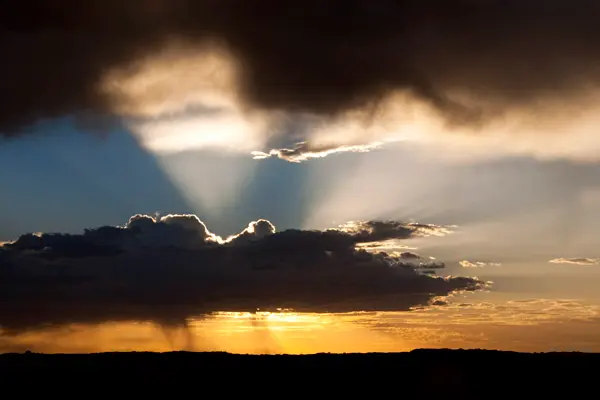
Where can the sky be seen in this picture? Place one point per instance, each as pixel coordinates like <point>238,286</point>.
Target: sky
<point>510,217</point>
<point>401,174</point>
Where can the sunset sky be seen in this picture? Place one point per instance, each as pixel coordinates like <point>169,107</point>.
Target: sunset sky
<point>431,186</point>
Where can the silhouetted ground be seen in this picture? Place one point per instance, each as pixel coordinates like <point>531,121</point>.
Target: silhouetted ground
<point>435,368</point>
<point>423,374</point>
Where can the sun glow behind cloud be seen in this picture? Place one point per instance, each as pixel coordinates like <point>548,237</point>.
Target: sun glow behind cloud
<point>498,324</point>
<point>225,129</point>
<point>183,98</point>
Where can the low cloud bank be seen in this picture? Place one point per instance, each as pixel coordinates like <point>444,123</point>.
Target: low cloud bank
<point>170,268</point>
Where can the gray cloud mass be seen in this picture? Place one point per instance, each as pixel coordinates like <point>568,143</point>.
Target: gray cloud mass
<point>172,267</point>
<point>317,57</point>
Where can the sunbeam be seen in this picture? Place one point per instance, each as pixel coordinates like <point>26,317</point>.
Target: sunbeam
<point>515,208</point>
<point>212,183</point>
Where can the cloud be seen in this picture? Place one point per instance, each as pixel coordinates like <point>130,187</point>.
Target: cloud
<point>576,261</point>
<point>172,267</point>
<point>388,246</point>
<point>469,61</point>
<point>304,151</point>
<point>409,255</point>
<point>477,264</point>
<point>375,231</point>
<point>184,231</point>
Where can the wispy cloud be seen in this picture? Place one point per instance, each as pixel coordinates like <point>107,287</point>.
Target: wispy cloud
<point>576,261</point>
<point>477,264</point>
<point>305,151</point>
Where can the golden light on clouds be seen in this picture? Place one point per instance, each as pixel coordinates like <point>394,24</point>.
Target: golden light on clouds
<point>172,80</point>
<point>184,97</point>
<point>181,99</point>
<point>227,130</point>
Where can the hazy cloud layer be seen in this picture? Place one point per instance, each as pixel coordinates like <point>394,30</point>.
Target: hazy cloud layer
<point>471,61</point>
<point>576,261</point>
<point>168,268</point>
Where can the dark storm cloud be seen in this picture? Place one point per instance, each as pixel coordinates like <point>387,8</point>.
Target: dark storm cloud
<point>313,56</point>
<point>136,273</point>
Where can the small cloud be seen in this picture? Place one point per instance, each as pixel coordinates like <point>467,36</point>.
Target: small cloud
<point>409,255</point>
<point>385,245</point>
<point>477,264</point>
<point>576,261</point>
<point>304,151</point>
<point>377,231</point>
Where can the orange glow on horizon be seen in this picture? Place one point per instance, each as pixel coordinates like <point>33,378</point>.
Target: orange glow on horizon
<point>512,325</point>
